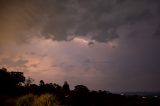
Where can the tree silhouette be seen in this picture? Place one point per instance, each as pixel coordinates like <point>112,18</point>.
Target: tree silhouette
<point>41,83</point>
<point>17,78</point>
<point>81,89</point>
<point>80,96</point>
<point>11,85</point>
<point>29,81</point>
<point>65,87</point>
<point>10,81</point>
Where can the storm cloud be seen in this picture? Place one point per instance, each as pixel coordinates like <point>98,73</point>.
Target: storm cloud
<point>98,20</point>
<point>104,44</point>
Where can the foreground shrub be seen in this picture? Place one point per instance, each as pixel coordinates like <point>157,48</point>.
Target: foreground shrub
<point>46,100</point>
<point>42,100</point>
<point>26,100</point>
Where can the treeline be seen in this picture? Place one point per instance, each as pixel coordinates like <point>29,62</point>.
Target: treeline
<point>15,84</point>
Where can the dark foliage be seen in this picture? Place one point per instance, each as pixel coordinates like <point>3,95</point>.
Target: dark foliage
<point>14,84</point>
<point>11,82</point>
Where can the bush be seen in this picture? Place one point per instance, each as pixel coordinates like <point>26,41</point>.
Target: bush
<point>42,100</point>
<point>26,100</point>
<point>46,100</point>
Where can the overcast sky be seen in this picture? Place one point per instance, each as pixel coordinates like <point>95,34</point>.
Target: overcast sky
<point>104,44</point>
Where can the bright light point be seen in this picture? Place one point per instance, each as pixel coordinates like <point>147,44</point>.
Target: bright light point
<point>81,40</point>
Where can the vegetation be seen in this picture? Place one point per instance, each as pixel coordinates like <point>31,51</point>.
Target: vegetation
<point>14,85</point>
<point>46,100</point>
<point>26,100</point>
<point>42,100</point>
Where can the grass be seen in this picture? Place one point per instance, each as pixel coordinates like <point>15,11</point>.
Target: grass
<point>26,100</point>
<point>42,100</point>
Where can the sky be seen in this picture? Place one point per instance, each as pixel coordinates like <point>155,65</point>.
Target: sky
<point>110,45</point>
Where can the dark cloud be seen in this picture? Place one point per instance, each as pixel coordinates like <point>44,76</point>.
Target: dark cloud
<point>98,19</point>
<point>157,32</point>
<point>58,20</point>
<point>91,43</point>
<point>123,39</point>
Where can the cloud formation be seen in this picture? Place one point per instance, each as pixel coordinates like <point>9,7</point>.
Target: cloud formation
<point>83,41</point>
<point>63,20</point>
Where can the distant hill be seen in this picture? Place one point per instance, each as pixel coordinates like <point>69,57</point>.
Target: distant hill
<point>142,93</point>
